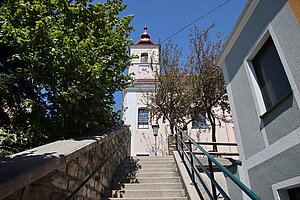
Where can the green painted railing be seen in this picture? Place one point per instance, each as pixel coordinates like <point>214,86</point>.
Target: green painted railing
<point>184,147</point>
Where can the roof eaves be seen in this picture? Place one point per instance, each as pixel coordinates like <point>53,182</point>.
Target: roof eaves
<point>237,29</point>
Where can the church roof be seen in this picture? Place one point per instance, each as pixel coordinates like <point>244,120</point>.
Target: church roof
<point>145,38</point>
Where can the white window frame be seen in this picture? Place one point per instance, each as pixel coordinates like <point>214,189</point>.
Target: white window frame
<point>280,189</point>
<point>256,91</point>
<point>141,126</point>
<point>260,104</point>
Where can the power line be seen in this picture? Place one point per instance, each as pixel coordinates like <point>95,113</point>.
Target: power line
<point>206,14</point>
<point>201,17</point>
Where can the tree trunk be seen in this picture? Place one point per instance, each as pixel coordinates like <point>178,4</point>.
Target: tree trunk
<point>212,121</point>
<point>213,135</point>
<point>172,129</point>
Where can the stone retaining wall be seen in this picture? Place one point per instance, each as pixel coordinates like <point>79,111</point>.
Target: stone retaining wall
<point>54,171</point>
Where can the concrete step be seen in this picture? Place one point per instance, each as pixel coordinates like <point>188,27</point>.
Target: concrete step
<point>156,174</point>
<point>152,186</point>
<point>130,166</point>
<point>141,162</point>
<point>154,198</point>
<point>165,169</point>
<point>147,178</point>
<point>157,180</point>
<point>153,158</point>
<point>146,173</point>
<point>117,181</point>
<point>157,165</point>
<point>145,162</point>
<point>147,193</point>
<point>154,167</point>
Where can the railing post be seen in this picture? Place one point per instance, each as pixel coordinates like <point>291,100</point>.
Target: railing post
<point>211,171</point>
<point>176,140</point>
<point>181,144</point>
<point>192,162</point>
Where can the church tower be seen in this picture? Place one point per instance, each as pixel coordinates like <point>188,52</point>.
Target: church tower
<point>143,141</point>
<point>143,68</point>
<point>147,55</point>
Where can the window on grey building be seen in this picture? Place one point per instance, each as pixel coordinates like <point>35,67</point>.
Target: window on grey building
<point>272,79</point>
<point>143,118</point>
<point>144,58</point>
<point>294,193</point>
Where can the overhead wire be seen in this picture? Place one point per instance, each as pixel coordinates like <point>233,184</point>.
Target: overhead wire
<point>201,17</point>
<point>186,26</point>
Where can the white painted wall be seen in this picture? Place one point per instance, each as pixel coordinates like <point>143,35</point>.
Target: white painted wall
<point>153,60</point>
<point>143,141</point>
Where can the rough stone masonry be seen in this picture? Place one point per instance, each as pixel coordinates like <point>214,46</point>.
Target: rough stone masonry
<point>54,171</point>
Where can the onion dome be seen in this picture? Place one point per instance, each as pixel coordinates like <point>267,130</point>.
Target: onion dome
<point>145,38</point>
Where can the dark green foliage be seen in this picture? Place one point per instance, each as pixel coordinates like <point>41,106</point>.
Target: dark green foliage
<point>60,63</point>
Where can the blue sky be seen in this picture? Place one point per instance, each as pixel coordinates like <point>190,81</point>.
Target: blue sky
<point>165,17</point>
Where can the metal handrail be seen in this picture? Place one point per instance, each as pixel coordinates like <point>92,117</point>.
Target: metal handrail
<point>211,160</point>
<point>218,143</point>
<point>206,172</point>
<point>219,154</point>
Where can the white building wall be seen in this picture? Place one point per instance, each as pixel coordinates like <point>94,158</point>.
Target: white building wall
<point>130,115</point>
<point>153,60</point>
<point>143,141</point>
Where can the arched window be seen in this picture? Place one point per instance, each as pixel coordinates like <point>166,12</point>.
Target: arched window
<point>144,57</point>
<point>143,118</point>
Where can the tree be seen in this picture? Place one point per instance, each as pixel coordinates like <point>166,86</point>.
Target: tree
<point>208,91</point>
<point>169,101</point>
<point>60,63</point>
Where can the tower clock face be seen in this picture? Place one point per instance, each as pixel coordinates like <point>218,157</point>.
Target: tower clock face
<point>144,69</point>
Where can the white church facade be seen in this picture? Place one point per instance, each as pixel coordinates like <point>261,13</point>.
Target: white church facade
<point>143,141</point>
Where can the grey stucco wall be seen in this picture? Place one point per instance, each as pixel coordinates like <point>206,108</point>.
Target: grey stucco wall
<point>279,168</point>
<point>285,117</point>
<point>287,30</point>
<point>238,80</point>
<point>282,120</point>
<point>234,191</point>
<point>249,122</point>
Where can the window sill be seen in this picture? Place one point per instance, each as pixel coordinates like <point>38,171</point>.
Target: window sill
<point>143,127</point>
<point>276,104</point>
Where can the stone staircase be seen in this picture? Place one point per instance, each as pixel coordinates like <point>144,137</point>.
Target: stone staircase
<point>147,178</point>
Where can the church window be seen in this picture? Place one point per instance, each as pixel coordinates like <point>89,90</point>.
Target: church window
<point>143,118</point>
<point>144,58</point>
<point>199,123</point>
